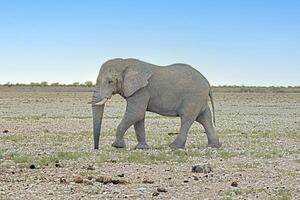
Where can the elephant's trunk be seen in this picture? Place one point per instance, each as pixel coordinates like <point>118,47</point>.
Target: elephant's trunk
<point>97,121</point>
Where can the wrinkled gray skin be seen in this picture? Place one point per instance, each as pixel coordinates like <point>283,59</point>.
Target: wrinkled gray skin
<point>174,90</point>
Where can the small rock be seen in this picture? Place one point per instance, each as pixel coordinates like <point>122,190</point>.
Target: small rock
<point>62,180</point>
<point>90,167</point>
<point>161,189</point>
<point>106,180</point>
<point>117,181</point>
<point>155,194</point>
<point>46,131</point>
<point>88,182</point>
<point>103,179</point>
<point>148,181</point>
<point>234,184</point>
<point>5,131</point>
<point>32,166</point>
<point>78,179</point>
<point>120,175</point>
<point>237,174</point>
<point>57,165</point>
<point>202,168</point>
<point>90,178</point>
<point>196,178</point>
<point>185,181</point>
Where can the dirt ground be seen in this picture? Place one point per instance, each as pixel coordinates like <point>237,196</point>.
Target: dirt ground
<point>46,149</point>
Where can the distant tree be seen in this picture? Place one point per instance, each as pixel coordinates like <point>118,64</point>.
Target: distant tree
<point>44,83</point>
<point>88,83</point>
<point>20,84</point>
<point>8,84</point>
<point>34,84</point>
<point>76,84</point>
<point>55,84</point>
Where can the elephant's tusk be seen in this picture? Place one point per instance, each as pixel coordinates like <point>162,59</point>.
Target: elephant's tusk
<point>100,103</point>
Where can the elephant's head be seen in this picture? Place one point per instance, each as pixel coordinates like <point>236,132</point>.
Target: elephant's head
<point>117,76</point>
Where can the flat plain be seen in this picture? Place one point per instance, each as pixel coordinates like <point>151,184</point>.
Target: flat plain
<point>46,148</point>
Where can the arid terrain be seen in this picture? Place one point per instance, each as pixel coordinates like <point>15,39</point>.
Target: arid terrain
<point>46,148</point>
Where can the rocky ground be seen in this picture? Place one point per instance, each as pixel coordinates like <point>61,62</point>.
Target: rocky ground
<point>46,149</point>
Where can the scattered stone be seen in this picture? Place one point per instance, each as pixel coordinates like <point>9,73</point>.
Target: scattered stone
<point>148,181</point>
<point>5,131</point>
<point>234,184</point>
<point>202,168</point>
<point>186,181</point>
<point>196,178</point>
<point>88,182</point>
<point>103,179</point>
<point>90,167</point>
<point>238,174</point>
<point>62,180</point>
<point>161,189</point>
<point>46,131</point>
<point>155,194</point>
<point>32,166</point>
<point>172,133</point>
<point>57,165</point>
<point>78,179</point>
<point>120,175</point>
<point>106,180</point>
<point>90,177</point>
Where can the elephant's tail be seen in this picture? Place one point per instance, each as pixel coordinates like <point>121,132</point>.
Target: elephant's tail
<point>212,105</point>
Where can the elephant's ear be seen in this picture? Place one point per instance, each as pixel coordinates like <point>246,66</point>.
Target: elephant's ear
<point>135,78</point>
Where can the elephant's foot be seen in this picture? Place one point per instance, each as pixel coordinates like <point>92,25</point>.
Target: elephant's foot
<point>119,144</point>
<point>142,146</point>
<point>214,144</point>
<point>177,145</point>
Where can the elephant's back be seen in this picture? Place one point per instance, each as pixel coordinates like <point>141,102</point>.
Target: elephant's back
<point>171,85</point>
<point>180,75</point>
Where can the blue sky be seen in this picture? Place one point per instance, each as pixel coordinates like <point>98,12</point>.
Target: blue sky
<point>237,42</point>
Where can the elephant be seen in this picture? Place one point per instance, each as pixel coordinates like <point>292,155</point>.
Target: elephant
<point>177,90</point>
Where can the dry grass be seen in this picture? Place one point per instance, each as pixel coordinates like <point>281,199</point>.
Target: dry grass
<point>52,130</point>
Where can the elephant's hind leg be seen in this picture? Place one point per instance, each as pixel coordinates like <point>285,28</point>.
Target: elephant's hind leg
<point>139,128</point>
<point>205,119</point>
<point>181,138</point>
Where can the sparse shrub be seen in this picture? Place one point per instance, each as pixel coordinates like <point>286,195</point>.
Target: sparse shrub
<point>88,83</point>
<point>8,84</point>
<point>76,84</point>
<point>44,83</point>
<point>55,84</point>
<point>34,84</point>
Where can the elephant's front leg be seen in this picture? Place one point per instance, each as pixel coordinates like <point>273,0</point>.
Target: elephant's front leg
<point>139,128</point>
<point>134,114</point>
<point>126,122</point>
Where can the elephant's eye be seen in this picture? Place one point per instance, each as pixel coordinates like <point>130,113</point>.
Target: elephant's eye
<point>110,82</point>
